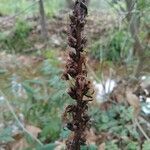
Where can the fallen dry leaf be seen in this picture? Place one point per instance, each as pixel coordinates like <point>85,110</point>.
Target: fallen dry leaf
<point>133,101</point>
<point>22,143</point>
<point>33,130</point>
<point>60,145</point>
<point>19,145</point>
<point>101,147</point>
<point>91,137</point>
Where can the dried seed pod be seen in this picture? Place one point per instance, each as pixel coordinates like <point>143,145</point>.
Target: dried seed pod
<point>82,24</point>
<point>72,55</point>
<point>65,76</point>
<point>72,41</point>
<point>78,120</point>
<point>72,72</point>
<point>82,4</point>
<point>72,18</point>
<point>84,40</point>
<point>72,93</point>
<point>70,108</point>
<point>70,126</point>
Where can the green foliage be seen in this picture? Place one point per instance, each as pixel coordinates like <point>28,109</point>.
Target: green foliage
<point>117,121</point>
<point>17,40</point>
<point>31,7</point>
<point>5,135</point>
<point>146,145</point>
<point>50,146</point>
<point>111,145</point>
<point>21,29</point>
<point>53,6</point>
<point>112,48</point>
<point>18,6</point>
<point>142,5</point>
<point>133,146</point>
<point>115,46</point>
<point>46,97</point>
<point>97,50</point>
<point>65,133</point>
<point>46,101</point>
<point>98,5</point>
<point>46,94</point>
<point>90,147</point>
<point>51,130</point>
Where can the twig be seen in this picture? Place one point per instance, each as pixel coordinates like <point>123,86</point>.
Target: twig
<point>144,120</point>
<point>19,123</point>
<point>141,129</point>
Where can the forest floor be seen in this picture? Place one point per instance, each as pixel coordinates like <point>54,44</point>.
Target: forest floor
<point>25,64</point>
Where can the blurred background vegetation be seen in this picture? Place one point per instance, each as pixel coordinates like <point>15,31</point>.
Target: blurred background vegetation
<point>33,45</point>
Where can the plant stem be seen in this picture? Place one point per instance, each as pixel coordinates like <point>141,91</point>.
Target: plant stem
<point>19,123</point>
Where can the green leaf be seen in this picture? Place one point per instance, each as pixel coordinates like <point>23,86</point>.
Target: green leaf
<point>50,146</point>
<point>90,147</point>
<point>146,145</point>
<point>133,131</point>
<point>132,146</point>
<point>5,135</point>
<point>35,81</point>
<point>111,146</point>
<point>3,71</point>
<point>28,88</point>
<point>105,118</point>
<point>65,133</point>
<point>51,130</point>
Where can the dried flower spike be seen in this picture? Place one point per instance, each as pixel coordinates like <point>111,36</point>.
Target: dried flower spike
<point>75,116</point>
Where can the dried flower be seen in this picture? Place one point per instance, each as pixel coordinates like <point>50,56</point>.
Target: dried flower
<point>75,116</point>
